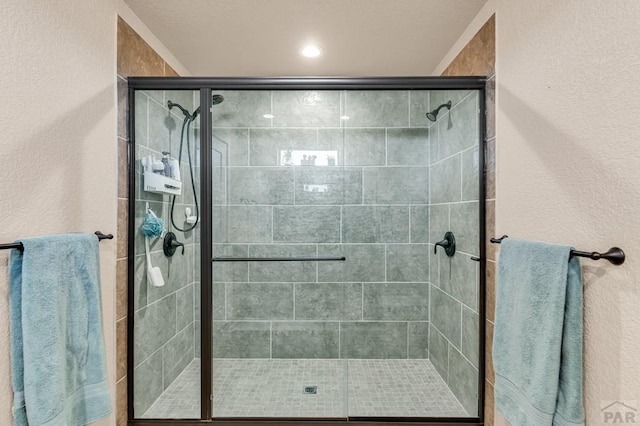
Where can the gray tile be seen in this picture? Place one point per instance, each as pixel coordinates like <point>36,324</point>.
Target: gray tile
<point>156,95</point>
<point>164,129</point>
<point>154,326</point>
<point>184,307</point>
<point>377,108</point>
<point>364,262</point>
<point>196,339</point>
<point>420,224</point>
<point>439,97</point>
<point>260,185</point>
<point>219,178</point>
<point>306,224</point>
<point>396,301</point>
<point>458,277</point>
<point>373,340</point>
<point>439,352</point>
<point>446,181</point>
<point>242,108</point>
<point>470,169</point>
<point>463,381</point>
<point>332,139</point>
<point>282,271</point>
<point>305,340</point>
<point>419,106</point>
<point>434,265</point>
<point>196,300</point>
<point>219,300</point>
<point>377,387</point>
<point>306,108</point>
<point>234,143</point>
<point>396,185</point>
<point>470,335</point>
<point>328,301</point>
<point>438,222</point>
<point>434,144</point>
<point>328,185</point>
<point>265,145</point>
<point>141,114</point>
<point>259,301</point>
<point>464,224</point>
<point>241,224</point>
<point>177,354</point>
<point>408,262</point>
<point>375,224</point>
<point>445,315</point>
<point>230,271</point>
<point>464,132</point>
<point>147,380</point>
<point>408,147</point>
<point>364,147</point>
<point>196,257</point>
<point>419,340</point>
<point>241,339</point>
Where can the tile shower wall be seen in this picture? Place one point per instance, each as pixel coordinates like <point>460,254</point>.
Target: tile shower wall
<point>454,321</point>
<point>165,317</point>
<point>370,203</point>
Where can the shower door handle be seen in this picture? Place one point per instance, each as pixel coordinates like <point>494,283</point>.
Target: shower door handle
<point>279,259</point>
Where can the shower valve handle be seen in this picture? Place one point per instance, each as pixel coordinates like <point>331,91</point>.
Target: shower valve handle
<point>448,244</point>
<point>171,244</point>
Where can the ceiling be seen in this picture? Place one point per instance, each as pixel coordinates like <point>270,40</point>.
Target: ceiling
<point>264,37</point>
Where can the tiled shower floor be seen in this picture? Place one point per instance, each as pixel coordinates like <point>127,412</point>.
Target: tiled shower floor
<point>273,388</point>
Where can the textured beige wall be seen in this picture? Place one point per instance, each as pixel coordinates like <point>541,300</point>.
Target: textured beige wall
<point>58,162</point>
<point>568,162</point>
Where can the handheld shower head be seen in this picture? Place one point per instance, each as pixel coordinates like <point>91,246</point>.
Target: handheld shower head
<point>432,115</point>
<point>170,105</point>
<point>215,100</point>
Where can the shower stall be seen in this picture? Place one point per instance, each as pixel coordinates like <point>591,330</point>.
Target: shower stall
<point>322,251</point>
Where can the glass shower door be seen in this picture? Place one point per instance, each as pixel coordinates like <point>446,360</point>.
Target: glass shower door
<point>376,177</point>
<point>278,297</point>
<point>166,284</point>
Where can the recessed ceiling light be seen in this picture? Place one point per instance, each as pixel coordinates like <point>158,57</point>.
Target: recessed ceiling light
<point>344,117</point>
<point>311,51</point>
<point>268,116</point>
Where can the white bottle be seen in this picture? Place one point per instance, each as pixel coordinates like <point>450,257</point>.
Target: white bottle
<point>174,165</point>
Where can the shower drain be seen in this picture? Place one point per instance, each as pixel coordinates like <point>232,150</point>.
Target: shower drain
<point>310,390</point>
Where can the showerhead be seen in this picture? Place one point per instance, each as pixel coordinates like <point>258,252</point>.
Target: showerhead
<point>432,115</point>
<point>216,99</point>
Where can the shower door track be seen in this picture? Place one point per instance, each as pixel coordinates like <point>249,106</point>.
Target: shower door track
<point>205,86</point>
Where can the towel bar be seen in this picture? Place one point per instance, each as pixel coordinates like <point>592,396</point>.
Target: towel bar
<point>614,255</point>
<point>19,246</point>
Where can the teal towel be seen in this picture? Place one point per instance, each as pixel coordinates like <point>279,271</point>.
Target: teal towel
<point>57,347</point>
<point>537,343</point>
